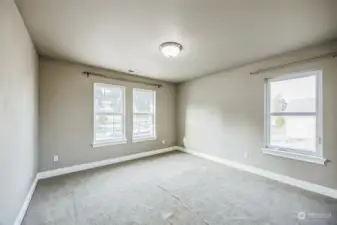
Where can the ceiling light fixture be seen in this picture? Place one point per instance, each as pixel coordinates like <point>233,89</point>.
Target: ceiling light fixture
<point>171,49</point>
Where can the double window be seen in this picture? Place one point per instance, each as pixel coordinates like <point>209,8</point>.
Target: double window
<point>110,115</point>
<point>293,118</point>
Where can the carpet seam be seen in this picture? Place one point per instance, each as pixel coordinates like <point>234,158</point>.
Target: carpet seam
<point>74,205</point>
<point>184,205</point>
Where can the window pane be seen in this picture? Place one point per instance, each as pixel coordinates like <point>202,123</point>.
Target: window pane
<point>295,132</point>
<point>143,126</point>
<point>143,101</point>
<point>109,127</point>
<point>294,95</point>
<point>109,99</point>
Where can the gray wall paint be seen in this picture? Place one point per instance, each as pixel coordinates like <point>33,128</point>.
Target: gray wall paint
<point>18,112</point>
<point>223,115</point>
<point>66,115</point>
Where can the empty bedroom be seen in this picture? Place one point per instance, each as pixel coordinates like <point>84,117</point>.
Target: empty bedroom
<point>181,112</point>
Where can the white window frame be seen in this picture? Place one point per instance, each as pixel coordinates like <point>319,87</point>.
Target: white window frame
<point>146,138</point>
<point>116,141</point>
<point>297,154</point>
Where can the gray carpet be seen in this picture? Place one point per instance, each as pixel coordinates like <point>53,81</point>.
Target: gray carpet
<point>173,188</point>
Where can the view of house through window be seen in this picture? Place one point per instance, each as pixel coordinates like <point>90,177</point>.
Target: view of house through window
<point>143,114</point>
<point>109,114</point>
<point>293,113</point>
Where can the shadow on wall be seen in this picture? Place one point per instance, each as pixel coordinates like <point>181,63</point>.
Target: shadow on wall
<point>214,122</point>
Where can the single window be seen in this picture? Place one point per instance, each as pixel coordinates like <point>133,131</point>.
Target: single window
<point>109,115</point>
<point>293,125</point>
<point>144,109</point>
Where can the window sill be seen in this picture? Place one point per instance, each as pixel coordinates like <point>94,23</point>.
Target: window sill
<point>143,139</point>
<point>296,156</point>
<point>102,144</point>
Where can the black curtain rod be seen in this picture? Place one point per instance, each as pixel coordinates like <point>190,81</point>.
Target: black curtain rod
<point>334,55</point>
<point>88,74</point>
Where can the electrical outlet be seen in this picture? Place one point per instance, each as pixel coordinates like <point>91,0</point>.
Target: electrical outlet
<point>246,155</point>
<point>163,142</point>
<point>56,158</point>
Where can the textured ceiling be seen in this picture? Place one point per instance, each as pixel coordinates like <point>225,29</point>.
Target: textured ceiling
<point>216,35</point>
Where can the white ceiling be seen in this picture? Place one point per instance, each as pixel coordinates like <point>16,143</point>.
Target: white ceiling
<point>215,34</point>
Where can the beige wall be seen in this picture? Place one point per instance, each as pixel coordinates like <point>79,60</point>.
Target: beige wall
<point>18,112</point>
<point>223,115</point>
<point>66,116</point>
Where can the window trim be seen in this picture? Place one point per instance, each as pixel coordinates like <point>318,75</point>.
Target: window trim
<point>146,138</point>
<point>119,141</point>
<point>297,154</point>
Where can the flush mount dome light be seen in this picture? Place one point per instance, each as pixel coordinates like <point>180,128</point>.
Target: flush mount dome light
<point>171,49</point>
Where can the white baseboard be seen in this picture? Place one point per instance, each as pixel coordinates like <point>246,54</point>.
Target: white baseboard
<point>86,166</point>
<point>274,176</point>
<point>25,205</point>
<point>268,174</point>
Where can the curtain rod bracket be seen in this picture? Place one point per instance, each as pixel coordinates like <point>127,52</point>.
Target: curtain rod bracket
<point>86,73</point>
